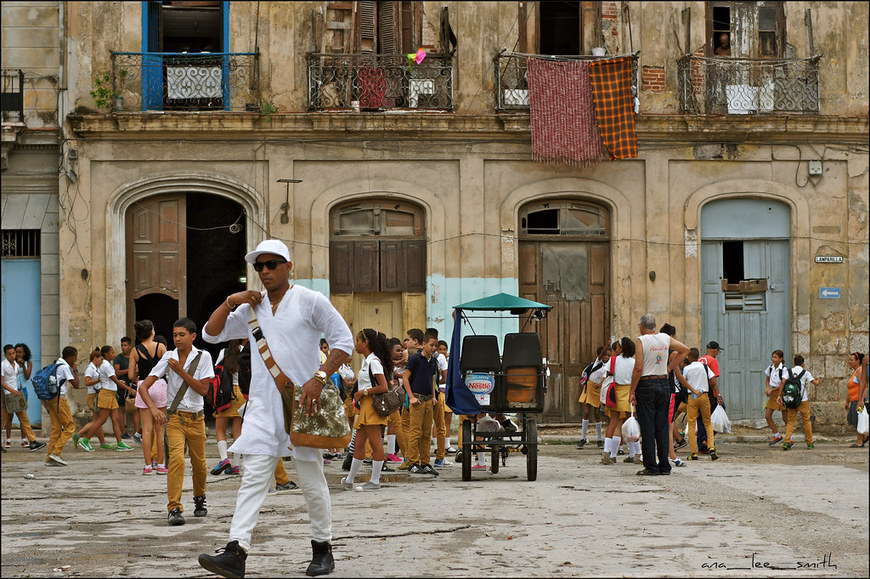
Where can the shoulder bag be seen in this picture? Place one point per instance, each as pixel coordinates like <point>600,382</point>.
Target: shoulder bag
<point>385,403</point>
<point>326,429</point>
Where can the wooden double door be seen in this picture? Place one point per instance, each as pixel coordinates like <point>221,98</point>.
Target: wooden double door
<point>573,277</point>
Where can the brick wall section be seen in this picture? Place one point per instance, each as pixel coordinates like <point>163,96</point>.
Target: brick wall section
<point>653,78</point>
<point>610,13</point>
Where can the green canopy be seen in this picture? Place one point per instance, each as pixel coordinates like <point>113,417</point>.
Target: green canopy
<point>502,301</point>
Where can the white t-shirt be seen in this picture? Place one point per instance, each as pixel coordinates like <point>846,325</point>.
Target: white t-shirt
<point>655,354</point>
<point>191,401</point>
<point>293,333</point>
<point>597,375</point>
<point>442,367</point>
<point>106,373</point>
<point>93,373</point>
<point>363,380</point>
<point>694,374</point>
<point>63,373</point>
<point>623,369</point>
<point>10,373</point>
<point>774,375</point>
<point>807,378</point>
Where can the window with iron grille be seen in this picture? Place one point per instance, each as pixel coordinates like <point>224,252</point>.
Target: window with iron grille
<point>20,243</point>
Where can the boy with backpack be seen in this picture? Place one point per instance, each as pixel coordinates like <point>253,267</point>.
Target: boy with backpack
<point>62,424</point>
<point>794,397</point>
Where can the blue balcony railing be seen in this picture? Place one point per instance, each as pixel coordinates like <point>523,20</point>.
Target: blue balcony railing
<point>165,81</point>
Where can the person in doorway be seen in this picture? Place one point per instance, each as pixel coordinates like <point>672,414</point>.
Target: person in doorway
<point>62,423</point>
<point>143,358</point>
<point>650,393</point>
<point>852,395</point>
<point>804,409</point>
<point>10,388</point>
<point>772,380</point>
<point>723,44</point>
<point>292,319</point>
<point>711,359</point>
<point>188,371</point>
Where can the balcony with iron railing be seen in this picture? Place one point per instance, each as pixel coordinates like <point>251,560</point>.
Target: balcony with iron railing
<point>748,86</point>
<point>512,77</point>
<point>168,81</point>
<point>376,82</point>
<point>12,95</point>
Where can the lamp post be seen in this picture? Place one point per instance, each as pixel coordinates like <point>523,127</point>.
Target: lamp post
<point>285,207</point>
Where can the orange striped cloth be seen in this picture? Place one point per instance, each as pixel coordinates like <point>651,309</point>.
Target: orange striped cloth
<point>562,115</point>
<point>614,105</point>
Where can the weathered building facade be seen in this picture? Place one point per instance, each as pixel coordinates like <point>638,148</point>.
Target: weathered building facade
<point>192,130</point>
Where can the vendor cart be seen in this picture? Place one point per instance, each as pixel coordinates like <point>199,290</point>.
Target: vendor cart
<point>482,378</point>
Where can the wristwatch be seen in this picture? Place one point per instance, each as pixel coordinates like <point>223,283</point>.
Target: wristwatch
<point>320,376</point>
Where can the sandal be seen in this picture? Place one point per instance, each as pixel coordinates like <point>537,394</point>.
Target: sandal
<point>855,445</point>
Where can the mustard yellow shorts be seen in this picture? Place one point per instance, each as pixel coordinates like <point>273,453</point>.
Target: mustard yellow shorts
<point>107,399</point>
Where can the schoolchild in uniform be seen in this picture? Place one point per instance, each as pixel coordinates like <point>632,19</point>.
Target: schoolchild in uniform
<point>803,409</point>
<point>590,398</point>
<point>92,382</point>
<point>10,387</point>
<point>105,402</point>
<point>395,431</point>
<point>109,382</point>
<point>62,424</point>
<point>698,377</point>
<point>187,424</point>
<point>773,378</point>
<point>421,390</point>
<point>623,368</point>
<point>229,416</point>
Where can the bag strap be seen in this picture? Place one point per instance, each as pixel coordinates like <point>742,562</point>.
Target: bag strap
<point>263,347</point>
<point>613,365</point>
<point>183,390</point>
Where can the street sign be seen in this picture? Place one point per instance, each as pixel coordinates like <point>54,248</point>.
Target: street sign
<point>831,293</point>
<point>829,259</point>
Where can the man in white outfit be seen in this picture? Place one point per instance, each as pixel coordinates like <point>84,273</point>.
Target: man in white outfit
<point>292,319</point>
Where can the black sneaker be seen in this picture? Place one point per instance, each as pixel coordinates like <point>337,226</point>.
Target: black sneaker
<point>600,444</point>
<point>581,444</point>
<point>322,562</point>
<point>345,465</point>
<point>385,468</point>
<point>199,509</point>
<point>680,444</point>
<point>427,469</point>
<point>416,469</point>
<point>175,517</point>
<point>713,454</point>
<point>230,561</point>
<point>36,445</point>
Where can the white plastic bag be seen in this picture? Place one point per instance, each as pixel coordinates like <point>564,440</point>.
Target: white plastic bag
<point>720,420</point>
<point>863,421</point>
<point>631,429</point>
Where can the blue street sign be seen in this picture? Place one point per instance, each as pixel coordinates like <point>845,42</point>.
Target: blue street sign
<point>831,293</point>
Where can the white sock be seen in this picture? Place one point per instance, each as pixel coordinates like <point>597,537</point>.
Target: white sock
<point>377,465</point>
<point>584,428</point>
<point>607,442</point>
<point>636,447</point>
<point>481,458</point>
<point>391,444</point>
<point>447,442</point>
<point>632,449</point>
<point>354,468</point>
<point>598,429</point>
<point>222,448</point>
<point>614,446</point>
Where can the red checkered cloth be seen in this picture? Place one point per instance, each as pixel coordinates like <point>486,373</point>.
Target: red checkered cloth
<point>373,87</point>
<point>614,105</point>
<point>562,114</point>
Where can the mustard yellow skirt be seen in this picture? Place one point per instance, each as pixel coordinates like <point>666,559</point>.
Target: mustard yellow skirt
<point>773,403</point>
<point>107,399</point>
<point>591,395</point>
<point>367,415</point>
<point>233,410</point>
<point>623,393</point>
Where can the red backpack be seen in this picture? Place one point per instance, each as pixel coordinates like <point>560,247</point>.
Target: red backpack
<point>220,394</point>
<point>611,391</point>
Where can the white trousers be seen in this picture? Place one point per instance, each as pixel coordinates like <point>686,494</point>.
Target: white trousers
<point>259,469</point>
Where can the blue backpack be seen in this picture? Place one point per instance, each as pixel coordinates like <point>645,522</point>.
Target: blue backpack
<point>45,382</point>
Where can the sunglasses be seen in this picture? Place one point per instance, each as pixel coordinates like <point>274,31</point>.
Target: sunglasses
<point>271,264</point>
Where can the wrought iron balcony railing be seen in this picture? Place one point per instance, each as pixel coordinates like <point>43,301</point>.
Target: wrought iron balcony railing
<point>742,86</point>
<point>163,81</point>
<point>512,77</point>
<point>12,96</point>
<point>379,82</point>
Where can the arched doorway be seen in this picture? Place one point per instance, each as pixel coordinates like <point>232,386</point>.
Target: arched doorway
<point>564,261</point>
<point>185,254</point>
<point>377,264</point>
<point>746,301</point>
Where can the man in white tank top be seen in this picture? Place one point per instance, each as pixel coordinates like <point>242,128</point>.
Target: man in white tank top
<point>651,393</point>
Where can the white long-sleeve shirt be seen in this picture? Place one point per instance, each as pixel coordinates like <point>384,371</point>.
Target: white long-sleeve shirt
<point>303,316</point>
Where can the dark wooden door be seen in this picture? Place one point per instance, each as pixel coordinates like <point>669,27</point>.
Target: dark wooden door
<point>573,277</point>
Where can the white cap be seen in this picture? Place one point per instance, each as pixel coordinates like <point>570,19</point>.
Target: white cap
<point>273,246</point>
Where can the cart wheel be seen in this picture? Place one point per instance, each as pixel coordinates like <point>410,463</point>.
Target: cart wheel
<point>466,450</point>
<point>532,450</point>
<point>494,459</point>
<point>458,457</point>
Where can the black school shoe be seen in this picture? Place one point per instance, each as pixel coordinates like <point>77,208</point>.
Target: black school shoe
<point>322,562</point>
<point>229,562</point>
<point>199,508</point>
<point>175,517</point>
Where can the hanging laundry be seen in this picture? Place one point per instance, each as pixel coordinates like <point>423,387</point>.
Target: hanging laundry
<point>614,105</point>
<point>562,114</point>
<point>373,87</point>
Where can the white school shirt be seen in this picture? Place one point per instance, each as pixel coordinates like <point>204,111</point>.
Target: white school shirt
<point>363,381</point>
<point>10,373</point>
<point>442,366</point>
<point>694,374</point>
<point>655,354</point>
<point>192,400</point>
<point>107,370</point>
<point>94,374</point>
<point>597,376</point>
<point>622,370</point>
<point>773,374</point>
<point>63,374</point>
<point>805,395</point>
<point>293,335</point>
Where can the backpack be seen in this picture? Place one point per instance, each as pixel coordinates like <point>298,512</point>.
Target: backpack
<point>611,392</point>
<point>45,382</point>
<point>220,389</point>
<point>387,402</point>
<point>791,390</point>
<point>244,361</point>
